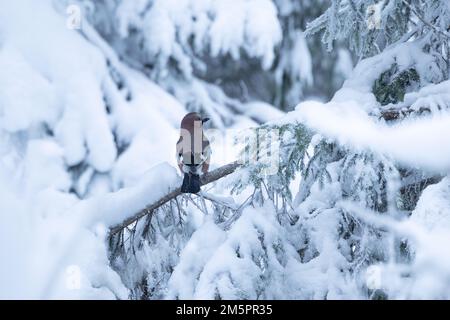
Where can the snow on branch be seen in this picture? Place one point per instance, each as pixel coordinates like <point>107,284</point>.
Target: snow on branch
<point>205,179</point>
<point>350,125</point>
<point>433,27</point>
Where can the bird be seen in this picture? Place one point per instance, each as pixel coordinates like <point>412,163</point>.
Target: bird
<point>193,151</point>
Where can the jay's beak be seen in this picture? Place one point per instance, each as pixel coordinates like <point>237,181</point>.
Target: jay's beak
<point>204,120</point>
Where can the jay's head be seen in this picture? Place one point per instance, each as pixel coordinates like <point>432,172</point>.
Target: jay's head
<point>193,120</point>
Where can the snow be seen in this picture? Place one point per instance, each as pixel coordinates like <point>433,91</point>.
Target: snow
<point>428,232</point>
<point>88,125</point>
<point>42,164</point>
<point>298,68</point>
<point>358,87</point>
<point>112,208</point>
<point>42,269</point>
<point>344,64</point>
<point>228,41</point>
<point>22,89</point>
<point>62,90</point>
<point>199,250</point>
<point>349,117</point>
<point>170,25</point>
<point>147,123</point>
<point>432,210</point>
<point>433,97</point>
<point>353,127</point>
<point>261,111</point>
<point>263,31</point>
<point>72,248</point>
<point>10,226</point>
<point>237,266</point>
<point>70,73</point>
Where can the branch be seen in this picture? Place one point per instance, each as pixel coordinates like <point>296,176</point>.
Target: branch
<point>205,179</point>
<point>436,29</point>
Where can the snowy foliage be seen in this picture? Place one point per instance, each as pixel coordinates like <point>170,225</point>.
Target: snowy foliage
<point>358,207</point>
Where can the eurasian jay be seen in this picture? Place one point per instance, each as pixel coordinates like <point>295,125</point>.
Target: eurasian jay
<point>193,152</point>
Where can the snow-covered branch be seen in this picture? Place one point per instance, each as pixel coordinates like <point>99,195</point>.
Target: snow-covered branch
<point>205,179</point>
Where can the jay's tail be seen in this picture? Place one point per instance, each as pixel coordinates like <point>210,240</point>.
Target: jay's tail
<point>191,183</point>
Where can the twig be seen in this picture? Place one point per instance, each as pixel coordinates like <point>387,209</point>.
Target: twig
<point>220,200</point>
<point>424,21</point>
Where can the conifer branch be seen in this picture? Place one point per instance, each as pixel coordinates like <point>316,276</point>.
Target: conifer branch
<point>149,209</point>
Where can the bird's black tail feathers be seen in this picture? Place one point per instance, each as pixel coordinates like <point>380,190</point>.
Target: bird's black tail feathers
<point>191,183</point>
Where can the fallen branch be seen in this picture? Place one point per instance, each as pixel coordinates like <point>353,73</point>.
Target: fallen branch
<point>205,179</point>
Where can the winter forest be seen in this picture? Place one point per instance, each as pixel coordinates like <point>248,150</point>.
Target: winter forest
<point>330,136</point>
